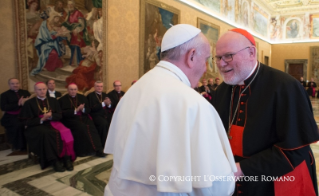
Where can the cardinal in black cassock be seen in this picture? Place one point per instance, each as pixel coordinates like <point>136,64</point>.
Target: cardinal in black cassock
<point>268,117</point>
<point>75,112</point>
<point>101,111</point>
<point>11,103</point>
<point>47,137</point>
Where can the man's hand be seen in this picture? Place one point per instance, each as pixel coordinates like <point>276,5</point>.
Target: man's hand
<point>107,101</point>
<point>239,172</point>
<point>80,108</point>
<point>23,100</point>
<point>46,116</point>
<point>20,101</point>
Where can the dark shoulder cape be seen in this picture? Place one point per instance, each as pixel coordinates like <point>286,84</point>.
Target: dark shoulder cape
<point>30,111</point>
<point>96,105</point>
<point>278,127</point>
<point>278,103</point>
<point>68,107</point>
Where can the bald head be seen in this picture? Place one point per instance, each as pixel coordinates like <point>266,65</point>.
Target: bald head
<point>40,89</point>
<point>117,86</point>
<point>72,90</point>
<point>235,57</point>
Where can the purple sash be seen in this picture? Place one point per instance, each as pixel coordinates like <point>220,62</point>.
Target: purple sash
<point>66,137</point>
<point>313,91</point>
<point>14,112</point>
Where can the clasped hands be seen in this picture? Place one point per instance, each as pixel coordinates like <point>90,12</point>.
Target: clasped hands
<point>80,107</point>
<point>46,116</point>
<point>107,101</point>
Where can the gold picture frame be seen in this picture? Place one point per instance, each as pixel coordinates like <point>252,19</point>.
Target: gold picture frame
<point>21,42</point>
<point>155,18</point>
<point>212,33</point>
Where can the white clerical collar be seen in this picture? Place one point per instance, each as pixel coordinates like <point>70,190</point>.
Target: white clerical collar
<point>41,98</point>
<point>98,93</point>
<point>252,71</point>
<point>51,91</point>
<point>175,70</point>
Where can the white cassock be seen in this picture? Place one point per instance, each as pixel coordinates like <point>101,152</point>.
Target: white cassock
<point>163,127</point>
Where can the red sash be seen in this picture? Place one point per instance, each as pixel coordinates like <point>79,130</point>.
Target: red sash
<point>300,183</point>
<point>236,140</point>
<point>313,91</point>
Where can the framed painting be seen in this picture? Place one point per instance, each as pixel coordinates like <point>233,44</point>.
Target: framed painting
<point>155,19</point>
<point>60,40</point>
<point>292,29</point>
<point>314,26</point>
<point>212,32</point>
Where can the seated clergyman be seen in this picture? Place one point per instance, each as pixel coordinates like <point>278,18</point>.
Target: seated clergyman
<point>46,136</point>
<point>75,112</point>
<point>101,111</point>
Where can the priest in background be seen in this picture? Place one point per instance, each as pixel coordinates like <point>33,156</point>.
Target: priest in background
<point>47,137</point>
<point>116,94</point>
<point>51,90</point>
<point>163,128</point>
<point>101,112</point>
<point>269,120</point>
<point>312,88</point>
<point>302,82</point>
<point>75,112</point>
<point>11,103</point>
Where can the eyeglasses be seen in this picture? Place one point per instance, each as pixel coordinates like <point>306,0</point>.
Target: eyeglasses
<point>227,57</point>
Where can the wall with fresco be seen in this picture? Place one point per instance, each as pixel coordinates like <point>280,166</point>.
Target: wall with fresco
<point>281,52</point>
<point>123,31</point>
<point>294,27</point>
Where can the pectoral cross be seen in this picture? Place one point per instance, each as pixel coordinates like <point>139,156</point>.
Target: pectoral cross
<point>45,110</point>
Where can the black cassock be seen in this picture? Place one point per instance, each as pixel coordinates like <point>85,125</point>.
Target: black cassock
<point>57,94</point>
<point>115,97</point>
<point>303,83</point>
<point>271,132</point>
<point>311,85</point>
<point>43,139</point>
<point>101,115</point>
<point>86,137</point>
<point>10,120</point>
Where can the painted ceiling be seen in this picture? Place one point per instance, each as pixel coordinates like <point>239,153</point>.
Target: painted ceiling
<point>290,6</point>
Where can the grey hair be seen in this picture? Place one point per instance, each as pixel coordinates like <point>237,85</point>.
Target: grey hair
<point>98,82</point>
<point>12,79</point>
<point>175,53</point>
